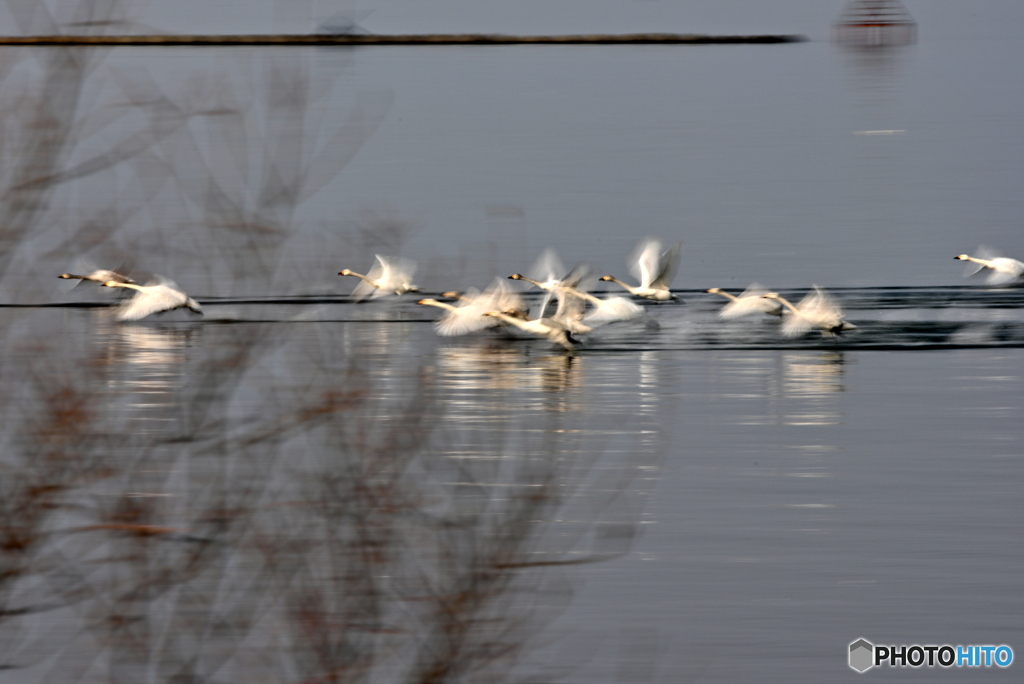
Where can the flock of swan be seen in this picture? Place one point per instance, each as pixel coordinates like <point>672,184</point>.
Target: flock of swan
<point>575,310</point>
<point>579,312</point>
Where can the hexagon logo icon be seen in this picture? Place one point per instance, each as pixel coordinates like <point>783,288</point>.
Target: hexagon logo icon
<point>862,655</point>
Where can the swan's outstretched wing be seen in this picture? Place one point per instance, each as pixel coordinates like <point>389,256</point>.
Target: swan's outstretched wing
<point>570,304</point>
<point>467,317</point>
<point>378,269</point>
<point>746,306</point>
<point>667,265</point>
<point>795,325</point>
<point>160,281</point>
<point>769,306</point>
<point>542,309</point>
<point>737,308</point>
<point>613,310</point>
<point>971,268</point>
<point>820,306</point>
<point>548,267</point>
<point>395,274</point>
<point>500,297</point>
<point>999,277</point>
<point>401,269</point>
<point>1005,270</point>
<point>469,314</point>
<point>756,290</point>
<point>570,312</point>
<point>644,261</point>
<point>154,299</point>
<point>750,301</point>
<point>364,289</point>
<point>575,277</point>
<point>822,311</point>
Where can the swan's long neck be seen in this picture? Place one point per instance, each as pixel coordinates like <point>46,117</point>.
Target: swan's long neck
<point>788,305</point>
<point>441,305</point>
<point>629,288</point>
<point>360,275</point>
<point>114,283</point>
<point>983,262</point>
<point>727,295</point>
<point>532,282</point>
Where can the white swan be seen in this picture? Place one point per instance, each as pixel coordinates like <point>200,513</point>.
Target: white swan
<point>468,315</point>
<point>654,269</point>
<point>750,301</point>
<point>605,311</point>
<point>102,276</point>
<point>571,308</point>
<point>816,310</point>
<point>1002,269</point>
<point>547,328</point>
<point>153,298</point>
<point>608,310</point>
<point>389,275</point>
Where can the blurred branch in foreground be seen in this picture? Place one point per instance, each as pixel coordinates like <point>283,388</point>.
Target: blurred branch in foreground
<point>318,533</point>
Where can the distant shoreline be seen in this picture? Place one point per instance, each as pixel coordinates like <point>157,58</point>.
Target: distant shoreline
<point>411,39</point>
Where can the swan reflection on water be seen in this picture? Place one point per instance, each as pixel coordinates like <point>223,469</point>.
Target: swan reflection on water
<point>791,388</point>
<point>813,374</point>
<point>503,378</point>
<point>147,366</point>
<point>814,380</point>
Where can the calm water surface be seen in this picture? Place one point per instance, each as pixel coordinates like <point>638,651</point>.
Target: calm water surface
<point>735,498</point>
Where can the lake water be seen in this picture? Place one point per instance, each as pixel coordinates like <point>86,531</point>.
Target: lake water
<point>300,486</point>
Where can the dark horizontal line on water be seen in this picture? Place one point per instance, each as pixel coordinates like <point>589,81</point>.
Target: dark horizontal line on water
<point>291,321</point>
<point>407,39</point>
<point>58,305</point>
<point>811,345</point>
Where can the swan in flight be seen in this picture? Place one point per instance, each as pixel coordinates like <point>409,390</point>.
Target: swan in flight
<point>605,311</point>
<point>389,275</point>
<point>570,309</point>
<point>816,310</point>
<point>750,301</point>
<point>548,328</point>
<point>153,298</point>
<point>546,273</point>
<point>654,269</point>
<point>548,268</point>
<point>1002,270</point>
<point>468,315</point>
<point>101,276</point>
